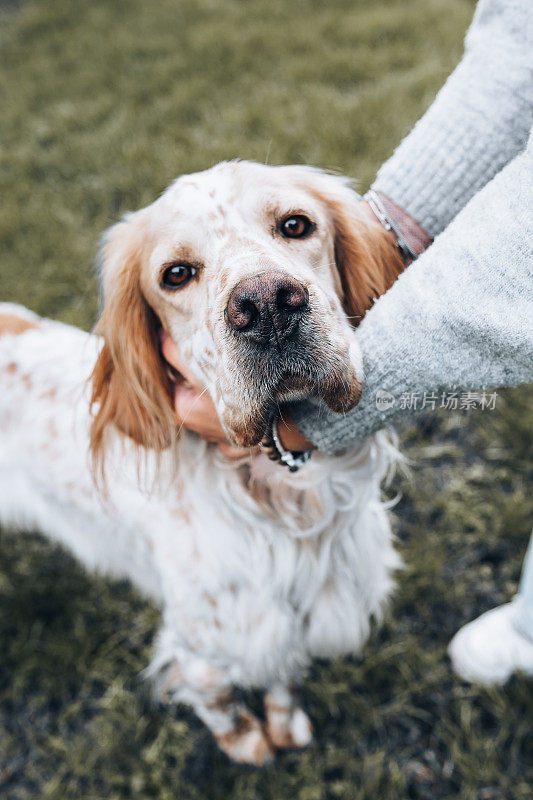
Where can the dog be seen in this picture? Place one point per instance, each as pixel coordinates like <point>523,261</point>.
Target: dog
<point>259,274</point>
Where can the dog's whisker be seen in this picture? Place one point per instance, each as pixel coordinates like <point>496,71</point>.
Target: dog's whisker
<point>268,152</point>
<point>191,408</point>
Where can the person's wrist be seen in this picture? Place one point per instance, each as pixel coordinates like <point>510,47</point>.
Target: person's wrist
<point>407,233</point>
<point>290,436</point>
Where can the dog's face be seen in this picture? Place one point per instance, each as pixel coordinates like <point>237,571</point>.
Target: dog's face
<point>258,273</point>
<point>241,272</point>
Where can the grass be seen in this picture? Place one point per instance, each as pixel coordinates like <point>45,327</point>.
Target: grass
<point>102,104</point>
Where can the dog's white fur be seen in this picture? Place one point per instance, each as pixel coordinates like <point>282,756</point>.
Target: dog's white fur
<point>256,570</point>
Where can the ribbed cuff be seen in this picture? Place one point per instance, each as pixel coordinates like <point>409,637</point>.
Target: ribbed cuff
<point>331,433</point>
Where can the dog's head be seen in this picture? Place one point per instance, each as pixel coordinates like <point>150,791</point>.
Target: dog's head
<point>258,273</point>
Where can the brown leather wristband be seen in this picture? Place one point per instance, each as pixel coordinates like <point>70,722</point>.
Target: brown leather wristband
<point>411,238</point>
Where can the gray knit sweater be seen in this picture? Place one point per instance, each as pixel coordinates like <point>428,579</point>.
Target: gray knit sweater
<point>461,317</point>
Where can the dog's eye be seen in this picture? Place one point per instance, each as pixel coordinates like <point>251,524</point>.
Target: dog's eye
<point>297,226</point>
<point>177,275</point>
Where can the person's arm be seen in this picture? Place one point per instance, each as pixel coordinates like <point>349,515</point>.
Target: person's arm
<point>479,121</point>
<point>459,318</point>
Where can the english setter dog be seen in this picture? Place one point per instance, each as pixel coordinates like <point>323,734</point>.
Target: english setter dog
<point>258,274</point>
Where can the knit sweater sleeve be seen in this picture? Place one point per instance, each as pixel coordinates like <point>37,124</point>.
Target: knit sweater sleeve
<point>460,318</point>
<point>479,121</point>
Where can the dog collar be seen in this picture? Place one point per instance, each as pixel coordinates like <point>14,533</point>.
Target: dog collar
<point>272,447</point>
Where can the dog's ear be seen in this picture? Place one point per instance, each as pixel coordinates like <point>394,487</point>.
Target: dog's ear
<point>368,262</point>
<point>131,388</point>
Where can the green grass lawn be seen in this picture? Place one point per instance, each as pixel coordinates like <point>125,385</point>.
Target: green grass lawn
<point>102,104</point>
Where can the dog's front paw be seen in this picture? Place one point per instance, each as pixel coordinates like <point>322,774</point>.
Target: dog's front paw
<point>246,742</point>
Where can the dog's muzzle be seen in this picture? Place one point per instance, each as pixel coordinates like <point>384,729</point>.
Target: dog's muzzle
<point>281,352</point>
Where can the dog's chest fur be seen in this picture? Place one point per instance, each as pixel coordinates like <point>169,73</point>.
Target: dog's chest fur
<point>259,576</point>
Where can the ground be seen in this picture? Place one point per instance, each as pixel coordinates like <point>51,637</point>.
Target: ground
<point>102,104</point>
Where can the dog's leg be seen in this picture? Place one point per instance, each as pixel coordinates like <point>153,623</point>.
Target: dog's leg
<point>208,690</point>
<point>287,724</point>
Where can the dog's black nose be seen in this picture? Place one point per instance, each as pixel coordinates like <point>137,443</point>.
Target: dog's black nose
<point>267,308</point>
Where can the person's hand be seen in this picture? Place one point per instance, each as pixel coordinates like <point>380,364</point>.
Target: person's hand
<point>196,411</point>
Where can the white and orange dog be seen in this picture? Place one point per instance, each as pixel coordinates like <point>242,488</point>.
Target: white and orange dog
<point>257,273</point>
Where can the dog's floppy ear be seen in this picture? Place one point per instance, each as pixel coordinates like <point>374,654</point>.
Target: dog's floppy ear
<point>367,260</point>
<point>131,388</point>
